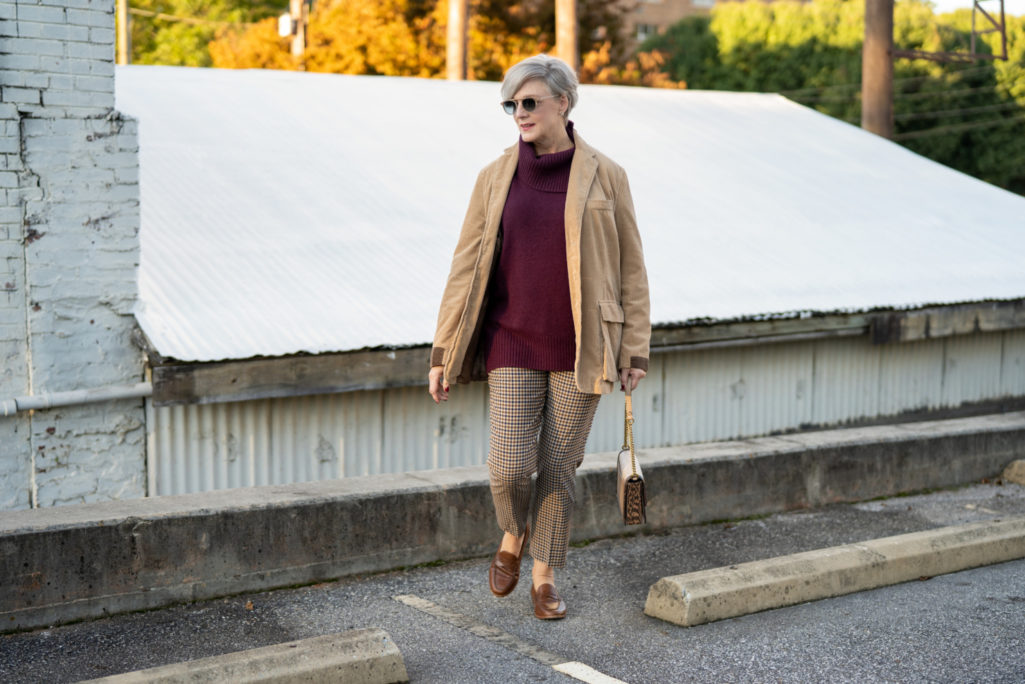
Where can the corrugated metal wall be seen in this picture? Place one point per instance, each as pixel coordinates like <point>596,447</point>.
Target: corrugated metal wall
<point>689,396</point>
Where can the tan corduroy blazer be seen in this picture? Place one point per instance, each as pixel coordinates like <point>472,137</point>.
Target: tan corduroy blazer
<point>608,284</point>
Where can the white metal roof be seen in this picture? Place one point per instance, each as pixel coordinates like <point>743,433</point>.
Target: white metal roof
<point>286,212</point>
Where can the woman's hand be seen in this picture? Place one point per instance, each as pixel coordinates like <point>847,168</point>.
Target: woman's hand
<point>631,375</point>
<point>437,390</point>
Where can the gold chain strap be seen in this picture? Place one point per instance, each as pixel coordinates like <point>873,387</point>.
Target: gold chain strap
<point>628,431</point>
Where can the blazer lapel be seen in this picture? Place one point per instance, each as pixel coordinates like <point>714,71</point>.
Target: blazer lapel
<point>497,193</point>
<point>500,189</point>
<point>581,175</point>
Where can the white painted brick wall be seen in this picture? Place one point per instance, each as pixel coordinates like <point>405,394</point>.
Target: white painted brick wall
<point>15,446</point>
<point>69,221</point>
<point>68,441</point>
<point>16,490</point>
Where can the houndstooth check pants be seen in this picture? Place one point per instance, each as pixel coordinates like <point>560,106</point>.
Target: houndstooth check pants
<point>539,423</point>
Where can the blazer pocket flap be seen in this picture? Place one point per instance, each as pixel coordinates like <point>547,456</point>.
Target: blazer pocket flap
<point>611,311</point>
<point>600,204</point>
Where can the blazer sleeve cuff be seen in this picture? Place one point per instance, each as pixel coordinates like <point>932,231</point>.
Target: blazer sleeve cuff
<point>437,356</point>
<point>640,362</point>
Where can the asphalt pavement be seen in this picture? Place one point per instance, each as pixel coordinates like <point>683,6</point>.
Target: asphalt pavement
<point>963,627</point>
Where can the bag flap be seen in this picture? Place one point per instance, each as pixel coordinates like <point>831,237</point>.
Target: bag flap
<point>624,467</point>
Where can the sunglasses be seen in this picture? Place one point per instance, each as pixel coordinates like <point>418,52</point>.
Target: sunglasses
<point>529,104</point>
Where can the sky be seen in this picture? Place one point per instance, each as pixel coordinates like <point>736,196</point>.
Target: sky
<point>1011,7</point>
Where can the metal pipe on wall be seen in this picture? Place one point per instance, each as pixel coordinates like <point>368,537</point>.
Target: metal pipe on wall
<point>9,407</point>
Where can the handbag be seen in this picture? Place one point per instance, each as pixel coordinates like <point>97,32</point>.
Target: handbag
<point>630,480</point>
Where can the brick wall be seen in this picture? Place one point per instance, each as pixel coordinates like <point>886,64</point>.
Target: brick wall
<point>69,249</point>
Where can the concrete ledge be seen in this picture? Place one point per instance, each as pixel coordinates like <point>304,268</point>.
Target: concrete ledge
<point>74,562</point>
<point>368,656</point>
<point>708,595</point>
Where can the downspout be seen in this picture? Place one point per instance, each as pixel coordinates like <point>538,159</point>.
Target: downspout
<point>9,407</point>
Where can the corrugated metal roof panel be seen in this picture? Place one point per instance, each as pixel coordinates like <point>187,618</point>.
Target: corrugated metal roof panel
<point>285,212</point>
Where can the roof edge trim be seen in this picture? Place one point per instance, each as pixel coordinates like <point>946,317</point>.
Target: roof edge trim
<point>374,369</point>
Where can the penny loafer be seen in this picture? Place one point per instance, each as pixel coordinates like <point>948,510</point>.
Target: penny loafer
<point>504,572</point>
<point>547,603</point>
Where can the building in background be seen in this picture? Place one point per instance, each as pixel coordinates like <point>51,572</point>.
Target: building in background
<point>804,273</point>
<point>296,230</point>
<point>649,17</point>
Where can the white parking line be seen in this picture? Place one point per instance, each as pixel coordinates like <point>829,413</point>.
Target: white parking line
<point>586,673</point>
<point>571,668</point>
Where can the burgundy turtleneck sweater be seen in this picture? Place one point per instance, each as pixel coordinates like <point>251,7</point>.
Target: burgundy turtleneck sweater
<point>529,322</point>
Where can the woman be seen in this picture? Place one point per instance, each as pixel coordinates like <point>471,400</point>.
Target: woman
<point>547,299</point>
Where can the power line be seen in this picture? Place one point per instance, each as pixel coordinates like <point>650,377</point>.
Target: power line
<point>900,96</point>
<point>186,20</point>
<point>819,88</point>
<point>957,128</point>
<point>828,98</point>
<point>904,79</point>
<point>943,93</point>
<point>963,110</point>
<point>932,114</point>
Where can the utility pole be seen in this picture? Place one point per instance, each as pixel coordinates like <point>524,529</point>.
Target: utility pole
<point>877,69</point>
<point>455,55</point>
<point>124,37</point>
<point>299,11</point>
<point>566,32</point>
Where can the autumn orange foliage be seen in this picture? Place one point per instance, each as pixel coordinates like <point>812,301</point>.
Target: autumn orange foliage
<point>645,69</point>
<point>259,47</point>
<point>407,38</point>
<point>383,37</point>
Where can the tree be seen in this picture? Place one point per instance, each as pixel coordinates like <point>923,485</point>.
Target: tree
<point>407,38</point>
<point>183,41</point>
<point>387,37</point>
<point>645,69</point>
<point>259,47</point>
<point>970,117</point>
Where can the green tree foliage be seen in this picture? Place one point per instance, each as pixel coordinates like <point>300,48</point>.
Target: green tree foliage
<point>968,116</point>
<point>183,40</point>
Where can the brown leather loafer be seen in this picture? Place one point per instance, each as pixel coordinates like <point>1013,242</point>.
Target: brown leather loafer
<point>504,572</point>
<point>547,603</point>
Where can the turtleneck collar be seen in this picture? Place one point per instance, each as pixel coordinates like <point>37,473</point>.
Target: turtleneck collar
<point>549,172</point>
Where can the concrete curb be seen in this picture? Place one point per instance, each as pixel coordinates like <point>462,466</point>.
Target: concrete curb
<point>719,593</point>
<point>367,656</point>
<point>73,562</point>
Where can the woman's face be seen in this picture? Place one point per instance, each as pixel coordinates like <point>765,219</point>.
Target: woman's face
<point>543,126</point>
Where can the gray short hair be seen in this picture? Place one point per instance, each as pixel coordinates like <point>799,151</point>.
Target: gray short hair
<point>552,71</point>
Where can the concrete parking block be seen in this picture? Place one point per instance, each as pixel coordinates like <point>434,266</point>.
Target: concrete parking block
<point>366,656</point>
<point>1015,472</point>
<point>709,595</point>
